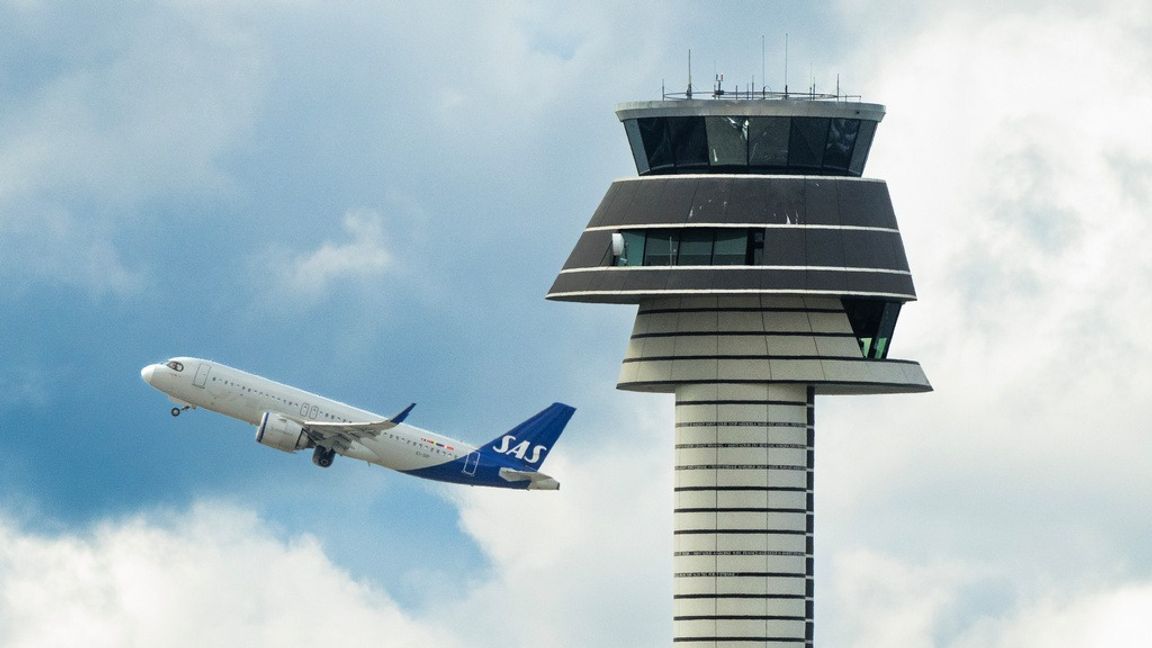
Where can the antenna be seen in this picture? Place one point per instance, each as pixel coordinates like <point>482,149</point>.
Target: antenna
<point>785,65</point>
<point>689,73</point>
<point>763,74</point>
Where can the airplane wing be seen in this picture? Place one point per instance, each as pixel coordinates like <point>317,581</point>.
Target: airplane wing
<point>339,436</point>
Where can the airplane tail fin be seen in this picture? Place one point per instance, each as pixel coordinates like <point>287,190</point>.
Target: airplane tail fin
<point>528,444</point>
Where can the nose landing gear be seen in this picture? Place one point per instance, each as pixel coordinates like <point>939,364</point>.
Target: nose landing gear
<point>323,457</point>
<point>175,411</point>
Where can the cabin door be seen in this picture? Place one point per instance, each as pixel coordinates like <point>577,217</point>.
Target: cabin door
<point>471,462</point>
<point>201,375</point>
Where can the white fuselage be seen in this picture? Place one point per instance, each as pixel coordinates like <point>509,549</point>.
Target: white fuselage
<point>213,386</point>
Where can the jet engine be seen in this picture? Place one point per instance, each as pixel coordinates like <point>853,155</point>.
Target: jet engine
<point>281,433</point>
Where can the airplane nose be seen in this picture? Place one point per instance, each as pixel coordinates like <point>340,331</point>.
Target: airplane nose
<point>146,373</point>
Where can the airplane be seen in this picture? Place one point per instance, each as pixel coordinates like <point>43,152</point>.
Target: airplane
<point>291,419</point>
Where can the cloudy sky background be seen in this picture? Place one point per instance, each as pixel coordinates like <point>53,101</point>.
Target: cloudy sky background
<point>370,201</point>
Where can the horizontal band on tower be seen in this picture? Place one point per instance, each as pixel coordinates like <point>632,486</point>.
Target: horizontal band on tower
<point>739,309</point>
<point>737,225</point>
<point>742,509</point>
<point>740,575</point>
<point>742,467</point>
<point>741,595</point>
<point>743,402</point>
<point>738,617</point>
<point>760,334</point>
<point>740,532</point>
<point>690,424</point>
<point>763,357</point>
<point>732,489</point>
<point>794,446</point>
<point>749,639</point>
<point>740,553</point>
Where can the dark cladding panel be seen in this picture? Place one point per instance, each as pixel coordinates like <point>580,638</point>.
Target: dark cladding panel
<point>870,249</point>
<point>618,191</point>
<point>898,255</point>
<point>646,205</point>
<point>648,280</point>
<point>782,280</point>
<point>824,248</point>
<point>866,204</point>
<point>567,282</point>
<point>861,283</point>
<point>784,202</point>
<point>713,280</point>
<point>784,246</point>
<point>593,249</point>
<point>608,280</point>
<point>710,202</point>
<point>675,201</point>
<point>823,207</point>
<point>747,202</point>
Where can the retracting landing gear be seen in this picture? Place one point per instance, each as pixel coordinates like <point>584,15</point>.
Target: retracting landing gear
<point>323,457</point>
<point>175,411</point>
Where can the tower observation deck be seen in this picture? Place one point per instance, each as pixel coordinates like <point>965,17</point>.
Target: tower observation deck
<point>767,270</point>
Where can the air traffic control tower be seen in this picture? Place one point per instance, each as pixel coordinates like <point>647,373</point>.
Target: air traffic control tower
<point>767,271</point>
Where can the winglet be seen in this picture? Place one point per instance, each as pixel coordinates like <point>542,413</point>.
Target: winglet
<point>399,418</point>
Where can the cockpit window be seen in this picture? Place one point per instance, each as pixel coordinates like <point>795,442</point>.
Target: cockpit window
<point>175,366</point>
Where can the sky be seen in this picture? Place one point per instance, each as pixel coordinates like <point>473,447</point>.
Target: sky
<point>370,199</point>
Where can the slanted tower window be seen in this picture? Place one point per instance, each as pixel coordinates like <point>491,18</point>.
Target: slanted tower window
<point>873,322</point>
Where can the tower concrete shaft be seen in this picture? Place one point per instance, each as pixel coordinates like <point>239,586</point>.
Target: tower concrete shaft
<point>766,272</point>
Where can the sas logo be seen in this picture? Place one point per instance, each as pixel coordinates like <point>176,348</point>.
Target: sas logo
<point>520,450</point>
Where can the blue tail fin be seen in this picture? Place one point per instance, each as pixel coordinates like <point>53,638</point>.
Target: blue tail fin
<point>528,444</point>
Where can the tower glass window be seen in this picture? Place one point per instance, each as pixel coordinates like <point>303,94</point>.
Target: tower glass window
<point>633,249</point>
<point>731,247</point>
<point>742,144</point>
<point>841,140</point>
<point>768,141</point>
<point>660,247</point>
<point>657,144</point>
<point>873,322</point>
<point>863,144</point>
<point>807,142</point>
<point>689,141</point>
<point>727,141</point>
<point>695,247</point>
<point>692,246</point>
<point>632,129</point>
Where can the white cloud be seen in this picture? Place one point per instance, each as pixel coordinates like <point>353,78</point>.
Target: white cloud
<point>1094,619</point>
<point>212,576</point>
<point>1016,157</point>
<point>305,278</point>
<point>953,604</point>
<point>588,565</point>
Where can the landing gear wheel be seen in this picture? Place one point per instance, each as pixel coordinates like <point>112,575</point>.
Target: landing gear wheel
<point>323,457</point>
<point>176,411</point>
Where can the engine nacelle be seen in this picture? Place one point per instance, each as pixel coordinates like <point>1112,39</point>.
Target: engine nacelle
<point>281,433</point>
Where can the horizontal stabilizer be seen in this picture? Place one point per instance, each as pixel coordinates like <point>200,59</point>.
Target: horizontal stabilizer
<point>539,480</point>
